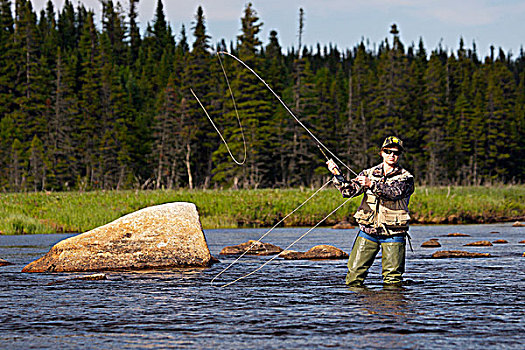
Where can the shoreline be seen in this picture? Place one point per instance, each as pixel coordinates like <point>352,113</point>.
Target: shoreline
<point>493,221</point>
<point>74,212</point>
<point>519,219</point>
<point>471,221</point>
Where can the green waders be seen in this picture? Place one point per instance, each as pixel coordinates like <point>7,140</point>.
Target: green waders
<point>363,255</point>
<point>393,262</point>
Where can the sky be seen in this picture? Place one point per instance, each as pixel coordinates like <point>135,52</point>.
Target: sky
<point>345,23</point>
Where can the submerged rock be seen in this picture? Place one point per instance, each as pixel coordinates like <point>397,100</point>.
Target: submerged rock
<point>255,248</point>
<point>432,243</point>
<point>168,235</point>
<point>457,234</point>
<point>286,252</point>
<point>4,262</point>
<point>500,241</point>
<point>459,254</point>
<point>518,224</point>
<point>343,225</point>
<point>94,277</point>
<point>322,251</point>
<point>479,244</point>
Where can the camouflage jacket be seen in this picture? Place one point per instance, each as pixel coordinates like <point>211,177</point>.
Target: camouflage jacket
<point>384,207</point>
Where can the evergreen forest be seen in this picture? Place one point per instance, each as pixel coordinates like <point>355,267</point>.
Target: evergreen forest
<point>95,106</point>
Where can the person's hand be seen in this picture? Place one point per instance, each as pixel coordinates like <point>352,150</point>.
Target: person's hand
<point>333,167</point>
<point>364,181</point>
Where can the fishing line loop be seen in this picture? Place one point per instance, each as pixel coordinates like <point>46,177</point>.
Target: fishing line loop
<point>236,114</point>
<point>287,109</point>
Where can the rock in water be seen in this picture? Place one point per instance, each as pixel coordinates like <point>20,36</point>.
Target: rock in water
<point>500,241</point>
<point>343,225</point>
<point>255,247</point>
<point>518,224</point>
<point>94,277</point>
<point>459,254</point>
<point>431,244</point>
<point>479,244</point>
<point>4,262</point>
<point>457,234</point>
<point>168,235</point>
<point>322,251</point>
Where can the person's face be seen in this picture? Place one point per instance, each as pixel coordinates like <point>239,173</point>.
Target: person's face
<point>391,155</point>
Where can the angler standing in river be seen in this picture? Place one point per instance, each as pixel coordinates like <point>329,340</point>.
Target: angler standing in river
<point>383,215</point>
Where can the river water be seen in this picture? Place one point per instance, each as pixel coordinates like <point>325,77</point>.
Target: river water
<point>446,303</point>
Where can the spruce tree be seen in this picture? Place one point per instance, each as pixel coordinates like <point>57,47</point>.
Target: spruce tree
<point>67,29</point>
<point>89,128</point>
<point>434,121</point>
<point>47,27</point>
<point>62,123</point>
<point>254,110</point>
<point>307,111</point>
<point>476,126</point>
<point>162,35</point>
<point>115,29</point>
<point>117,111</point>
<point>8,59</point>
<point>198,142</point>
<point>359,126</point>
<point>499,98</point>
<point>278,138</point>
<point>390,103</point>
<point>32,86</point>
<point>461,150</point>
<point>517,130</point>
<point>134,33</point>
<point>415,90</point>
<point>166,144</point>
<point>324,120</point>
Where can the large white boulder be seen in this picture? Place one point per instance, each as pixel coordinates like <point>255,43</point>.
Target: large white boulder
<point>168,235</point>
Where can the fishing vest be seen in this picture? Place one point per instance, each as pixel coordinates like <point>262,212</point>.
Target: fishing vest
<point>388,217</point>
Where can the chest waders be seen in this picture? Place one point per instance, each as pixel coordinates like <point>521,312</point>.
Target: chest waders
<point>389,218</point>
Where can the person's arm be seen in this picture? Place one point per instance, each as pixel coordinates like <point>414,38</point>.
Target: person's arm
<point>347,188</point>
<point>394,190</point>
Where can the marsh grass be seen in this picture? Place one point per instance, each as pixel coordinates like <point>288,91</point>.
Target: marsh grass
<point>25,213</point>
<point>468,204</point>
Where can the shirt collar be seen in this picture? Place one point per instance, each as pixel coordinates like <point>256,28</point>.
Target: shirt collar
<point>378,170</point>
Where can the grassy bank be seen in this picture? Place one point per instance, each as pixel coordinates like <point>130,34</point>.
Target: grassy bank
<point>82,211</point>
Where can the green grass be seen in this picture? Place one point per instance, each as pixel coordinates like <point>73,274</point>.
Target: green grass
<point>468,204</point>
<point>25,213</point>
